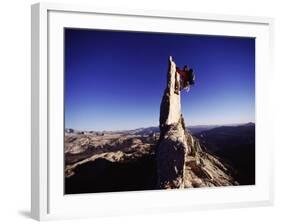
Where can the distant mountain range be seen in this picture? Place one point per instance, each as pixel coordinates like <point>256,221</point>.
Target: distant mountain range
<point>194,129</point>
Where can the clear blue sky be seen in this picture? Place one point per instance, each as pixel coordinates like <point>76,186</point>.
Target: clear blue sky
<point>115,80</point>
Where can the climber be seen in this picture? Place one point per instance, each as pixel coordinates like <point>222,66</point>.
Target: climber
<point>185,80</point>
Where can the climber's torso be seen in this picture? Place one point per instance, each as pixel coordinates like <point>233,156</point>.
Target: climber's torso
<point>185,80</point>
<point>183,74</point>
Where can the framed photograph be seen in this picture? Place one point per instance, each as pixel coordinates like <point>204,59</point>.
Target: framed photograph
<point>148,111</point>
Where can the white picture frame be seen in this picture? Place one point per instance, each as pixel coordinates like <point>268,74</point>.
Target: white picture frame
<point>47,200</point>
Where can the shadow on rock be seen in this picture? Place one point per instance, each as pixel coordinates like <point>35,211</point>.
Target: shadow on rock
<point>102,175</point>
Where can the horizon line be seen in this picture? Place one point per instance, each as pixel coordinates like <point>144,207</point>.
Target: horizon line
<point>154,126</point>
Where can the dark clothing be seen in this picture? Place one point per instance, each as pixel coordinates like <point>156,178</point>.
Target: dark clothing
<point>184,76</point>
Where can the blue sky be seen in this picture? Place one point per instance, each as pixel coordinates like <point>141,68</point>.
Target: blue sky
<point>115,80</point>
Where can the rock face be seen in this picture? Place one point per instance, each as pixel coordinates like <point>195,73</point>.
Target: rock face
<point>181,161</point>
<point>203,169</point>
<point>172,148</point>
